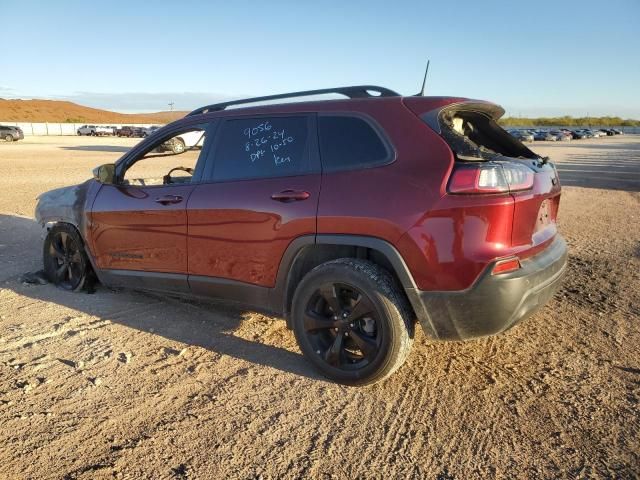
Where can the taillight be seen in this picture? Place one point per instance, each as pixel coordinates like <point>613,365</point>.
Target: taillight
<point>489,177</point>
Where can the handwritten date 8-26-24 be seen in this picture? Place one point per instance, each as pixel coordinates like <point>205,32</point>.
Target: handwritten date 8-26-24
<point>264,138</point>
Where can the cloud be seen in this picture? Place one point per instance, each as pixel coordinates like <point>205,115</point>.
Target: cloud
<point>128,102</point>
<point>6,91</point>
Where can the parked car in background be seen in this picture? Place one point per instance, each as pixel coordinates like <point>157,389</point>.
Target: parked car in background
<point>124,131</point>
<point>276,211</point>
<point>617,131</point>
<point>584,132</point>
<point>101,131</point>
<point>589,133</point>
<point>87,130</point>
<point>182,142</point>
<point>95,130</point>
<point>522,135</point>
<point>561,135</point>
<point>127,131</point>
<point>151,130</point>
<point>578,135</point>
<point>9,133</point>
<point>543,135</point>
<point>608,132</point>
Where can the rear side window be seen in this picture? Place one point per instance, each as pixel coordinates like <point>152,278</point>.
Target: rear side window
<point>262,147</point>
<point>348,143</point>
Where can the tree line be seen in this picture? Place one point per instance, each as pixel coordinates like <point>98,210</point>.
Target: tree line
<point>568,121</point>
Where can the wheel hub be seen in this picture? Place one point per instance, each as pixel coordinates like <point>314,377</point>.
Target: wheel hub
<point>341,325</point>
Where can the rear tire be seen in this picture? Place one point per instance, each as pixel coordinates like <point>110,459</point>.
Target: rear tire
<point>352,321</point>
<point>177,145</point>
<point>8,138</point>
<point>66,264</point>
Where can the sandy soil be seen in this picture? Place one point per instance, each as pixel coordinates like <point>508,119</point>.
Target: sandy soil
<point>61,111</point>
<point>130,385</point>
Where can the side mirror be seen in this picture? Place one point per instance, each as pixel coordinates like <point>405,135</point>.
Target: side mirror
<point>105,173</point>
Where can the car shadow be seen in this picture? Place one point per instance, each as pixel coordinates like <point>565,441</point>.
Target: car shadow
<point>98,148</point>
<point>212,325</point>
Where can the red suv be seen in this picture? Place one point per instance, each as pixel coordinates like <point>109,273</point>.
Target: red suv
<point>353,219</point>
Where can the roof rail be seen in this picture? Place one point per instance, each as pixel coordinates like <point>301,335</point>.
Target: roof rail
<point>360,91</point>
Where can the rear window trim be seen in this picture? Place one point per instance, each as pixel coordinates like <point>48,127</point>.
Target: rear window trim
<point>392,154</point>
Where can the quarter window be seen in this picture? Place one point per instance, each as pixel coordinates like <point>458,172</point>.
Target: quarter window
<point>348,143</point>
<point>262,147</point>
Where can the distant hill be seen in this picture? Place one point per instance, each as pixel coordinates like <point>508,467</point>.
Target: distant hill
<point>57,111</point>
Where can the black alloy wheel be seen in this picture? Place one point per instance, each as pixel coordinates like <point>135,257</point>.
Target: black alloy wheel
<point>341,326</point>
<point>352,321</point>
<point>65,261</point>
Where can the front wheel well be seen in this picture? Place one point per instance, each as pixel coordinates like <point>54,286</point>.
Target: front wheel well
<point>313,255</point>
<point>48,225</point>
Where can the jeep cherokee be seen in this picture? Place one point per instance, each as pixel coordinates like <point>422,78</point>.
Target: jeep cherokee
<point>354,219</point>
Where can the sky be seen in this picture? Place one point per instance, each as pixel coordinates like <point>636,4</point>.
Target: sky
<point>533,58</point>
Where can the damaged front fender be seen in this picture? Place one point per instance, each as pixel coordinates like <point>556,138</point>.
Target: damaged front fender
<point>66,204</point>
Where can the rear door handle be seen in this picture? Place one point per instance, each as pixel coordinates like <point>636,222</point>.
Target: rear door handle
<point>169,199</point>
<point>290,196</point>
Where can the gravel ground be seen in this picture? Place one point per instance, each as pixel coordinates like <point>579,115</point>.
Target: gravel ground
<point>131,385</point>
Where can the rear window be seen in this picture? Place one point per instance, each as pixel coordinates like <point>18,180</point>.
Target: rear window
<point>474,135</point>
<point>262,147</point>
<point>348,143</point>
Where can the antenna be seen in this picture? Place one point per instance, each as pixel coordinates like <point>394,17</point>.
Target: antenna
<point>171,104</point>
<point>424,81</point>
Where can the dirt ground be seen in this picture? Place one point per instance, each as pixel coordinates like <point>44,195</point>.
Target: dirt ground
<point>131,385</point>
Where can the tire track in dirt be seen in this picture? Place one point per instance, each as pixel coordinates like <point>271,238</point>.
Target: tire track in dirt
<point>381,430</point>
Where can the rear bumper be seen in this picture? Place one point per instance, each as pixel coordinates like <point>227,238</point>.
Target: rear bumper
<point>494,303</point>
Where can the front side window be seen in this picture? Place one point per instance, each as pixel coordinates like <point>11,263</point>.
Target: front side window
<point>169,161</point>
<point>265,147</point>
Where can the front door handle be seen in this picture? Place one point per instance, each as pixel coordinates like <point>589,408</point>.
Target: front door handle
<point>290,196</point>
<point>169,199</point>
